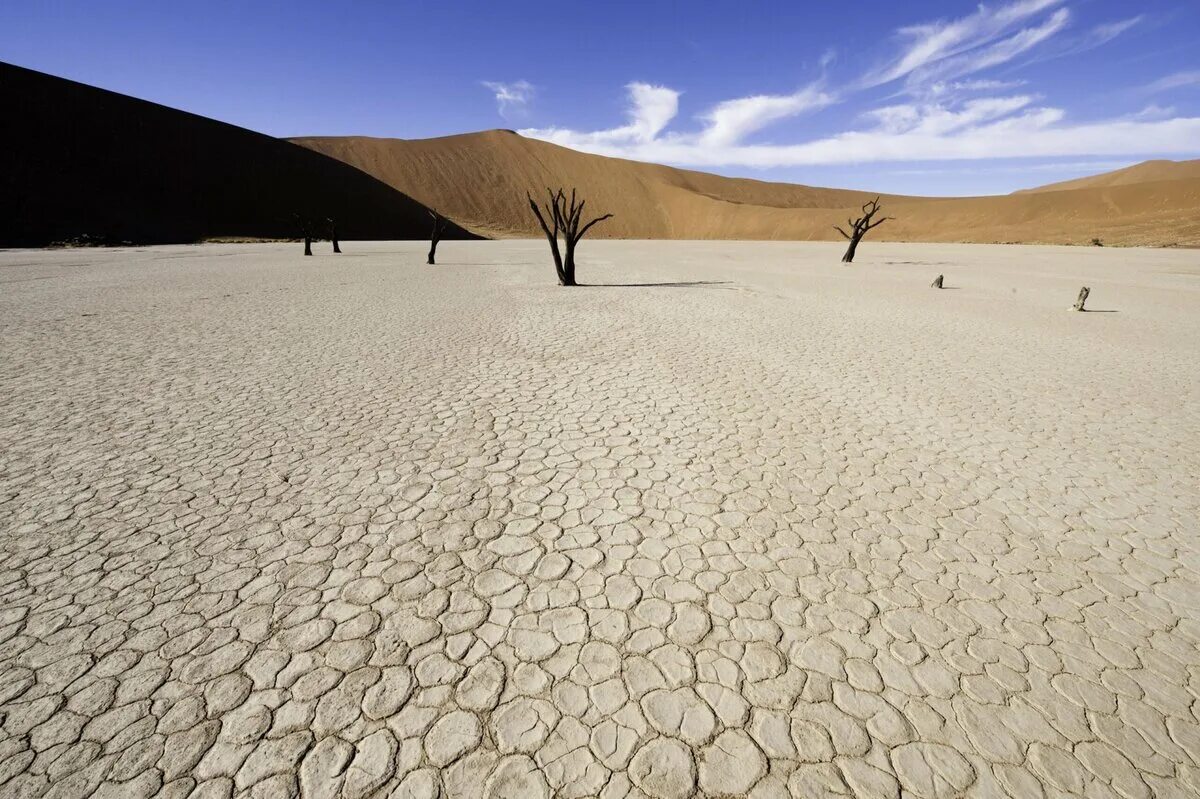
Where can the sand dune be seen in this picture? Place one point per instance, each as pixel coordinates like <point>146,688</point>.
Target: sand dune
<point>1145,172</point>
<point>480,179</point>
<point>76,160</point>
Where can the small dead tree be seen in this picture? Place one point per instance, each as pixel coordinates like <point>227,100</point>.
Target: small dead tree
<point>333,235</point>
<point>859,228</point>
<point>1081,299</point>
<point>435,235</point>
<point>937,282</point>
<point>566,216</point>
<point>305,231</point>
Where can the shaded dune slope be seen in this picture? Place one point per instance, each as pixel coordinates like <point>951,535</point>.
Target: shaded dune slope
<point>77,160</point>
<point>480,179</point>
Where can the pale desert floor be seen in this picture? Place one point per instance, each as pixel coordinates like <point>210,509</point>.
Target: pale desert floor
<point>351,525</point>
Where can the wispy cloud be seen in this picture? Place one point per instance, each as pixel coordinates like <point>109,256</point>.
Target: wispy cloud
<point>929,43</point>
<point>1087,40</point>
<point>731,121</point>
<point>981,128</point>
<point>954,113</point>
<point>652,108</point>
<point>984,85</point>
<point>991,55</point>
<point>511,97</point>
<point>1176,80</point>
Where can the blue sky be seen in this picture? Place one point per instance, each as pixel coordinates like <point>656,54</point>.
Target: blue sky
<point>915,97</point>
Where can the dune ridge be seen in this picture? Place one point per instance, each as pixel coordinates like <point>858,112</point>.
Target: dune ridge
<point>481,178</point>
<point>1145,172</point>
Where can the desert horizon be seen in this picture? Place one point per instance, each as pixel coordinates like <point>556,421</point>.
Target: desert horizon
<point>559,429</point>
<point>479,181</point>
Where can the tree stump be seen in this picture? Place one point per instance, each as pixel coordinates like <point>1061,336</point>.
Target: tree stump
<point>307,245</point>
<point>937,282</point>
<point>1081,299</point>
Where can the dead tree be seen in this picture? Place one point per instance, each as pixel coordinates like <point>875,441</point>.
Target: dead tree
<point>937,282</point>
<point>333,235</point>
<point>306,231</point>
<point>1081,299</point>
<point>566,216</point>
<point>859,228</point>
<point>435,235</point>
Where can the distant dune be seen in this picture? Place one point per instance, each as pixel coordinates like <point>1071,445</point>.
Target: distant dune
<point>79,161</point>
<point>1145,172</point>
<point>480,179</point>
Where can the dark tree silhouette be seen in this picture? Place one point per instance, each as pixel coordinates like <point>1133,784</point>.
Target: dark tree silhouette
<point>435,235</point>
<point>306,231</point>
<point>566,217</point>
<point>859,228</point>
<point>333,235</point>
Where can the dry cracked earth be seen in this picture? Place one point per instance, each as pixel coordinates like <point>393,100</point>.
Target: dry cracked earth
<point>352,526</point>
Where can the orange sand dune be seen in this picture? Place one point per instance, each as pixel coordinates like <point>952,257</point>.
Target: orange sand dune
<point>480,179</point>
<point>1145,172</point>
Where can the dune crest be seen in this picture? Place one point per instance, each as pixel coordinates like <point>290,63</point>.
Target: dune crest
<point>481,179</point>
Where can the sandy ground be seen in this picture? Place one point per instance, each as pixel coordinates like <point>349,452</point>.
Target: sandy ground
<point>273,525</point>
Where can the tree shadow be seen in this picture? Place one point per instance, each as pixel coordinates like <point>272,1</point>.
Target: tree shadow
<point>679,284</point>
<point>1099,310</point>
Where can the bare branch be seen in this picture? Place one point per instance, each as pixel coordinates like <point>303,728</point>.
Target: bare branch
<point>588,226</point>
<point>538,213</point>
<point>839,230</point>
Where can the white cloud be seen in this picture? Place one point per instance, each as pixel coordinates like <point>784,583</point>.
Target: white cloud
<point>929,43</point>
<point>1154,111</point>
<point>982,128</point>
<point>952,115</point>
<point>511,97</point>
<point>651,109</point>
<point>1176,80</point>
<point>1088,40</point>
<point>994,54</point>
<point>984,85</point>
<point>732,121</point>
<point>1109,31</point>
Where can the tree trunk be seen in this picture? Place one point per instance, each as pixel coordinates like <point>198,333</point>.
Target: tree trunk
<point>558,261</point>
<point>308,245</point>
<point>432,251</point>
<point>1082,298</point>
<point>568,277</point>
<point>333,236</point>
<point>336,248</point>
<point>849,256</point>
<point>937,282</point>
